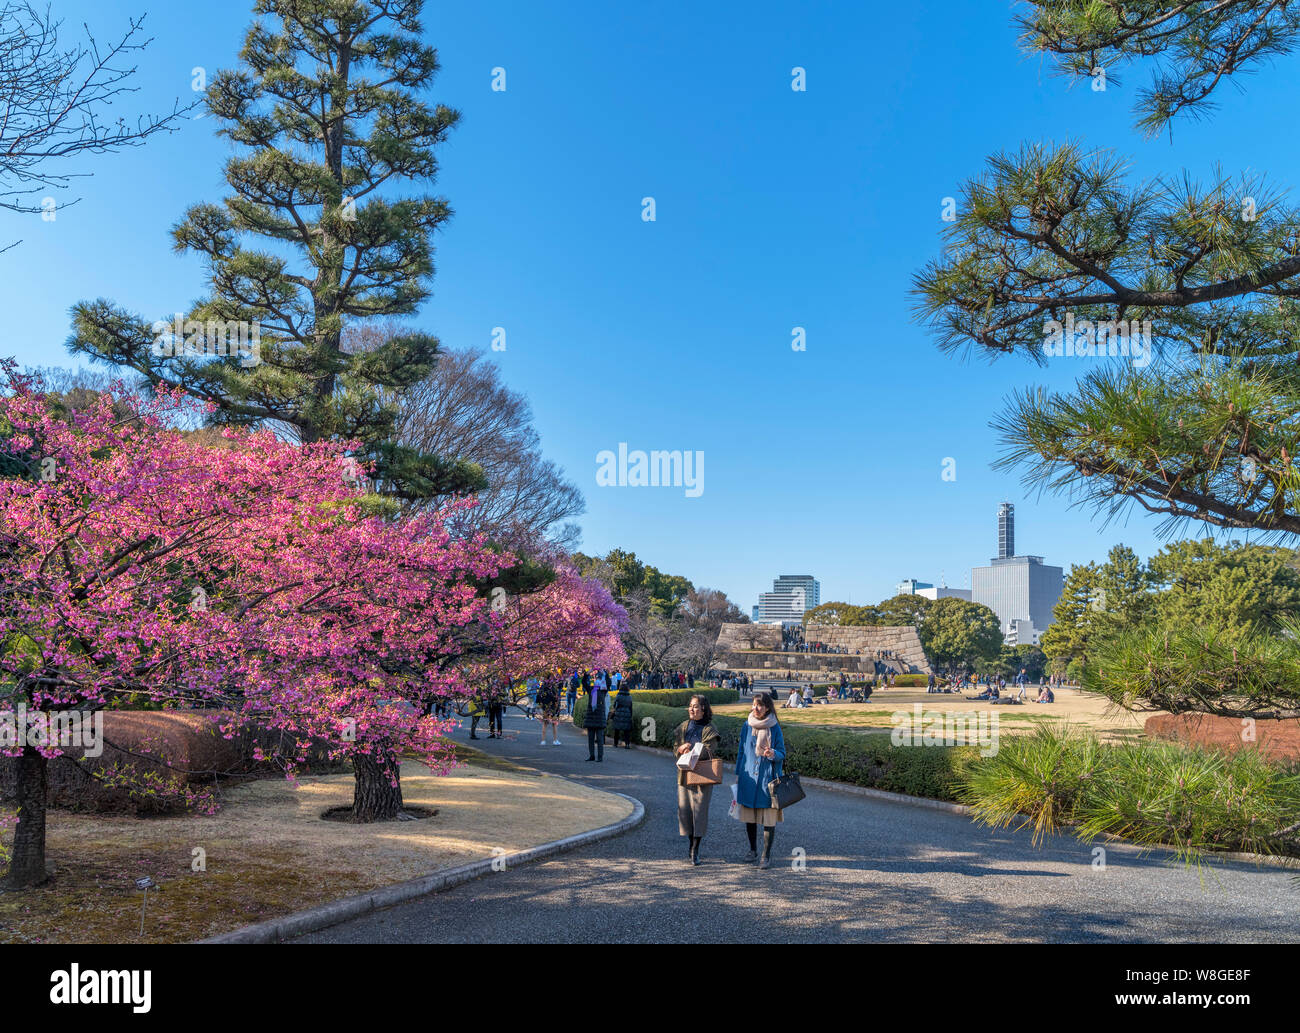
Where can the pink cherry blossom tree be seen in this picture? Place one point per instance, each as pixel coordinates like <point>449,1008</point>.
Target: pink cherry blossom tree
<point>136,563</point>
<point>572,622</point>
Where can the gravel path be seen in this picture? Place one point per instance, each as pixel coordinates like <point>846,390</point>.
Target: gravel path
<point>875,871</point>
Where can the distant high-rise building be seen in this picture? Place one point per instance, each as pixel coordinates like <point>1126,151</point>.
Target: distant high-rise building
<point>944,592</point>
<point>1006,530</point>
<point>1021,590</point>
<point>791,595</point>
<point>910,586</point>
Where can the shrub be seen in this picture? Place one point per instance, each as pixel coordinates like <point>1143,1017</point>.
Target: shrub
<point>911,681</point>
<point>1194,799</point>
<point>681,697</point>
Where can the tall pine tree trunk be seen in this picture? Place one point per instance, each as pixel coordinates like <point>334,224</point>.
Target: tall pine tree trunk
<point>27,865</point>
<point>377,795</point>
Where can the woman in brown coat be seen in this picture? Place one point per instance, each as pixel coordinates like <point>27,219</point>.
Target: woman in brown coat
<point>693,800</point>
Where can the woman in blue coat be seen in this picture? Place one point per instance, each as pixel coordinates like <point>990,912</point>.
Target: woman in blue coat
<point>762,751</point>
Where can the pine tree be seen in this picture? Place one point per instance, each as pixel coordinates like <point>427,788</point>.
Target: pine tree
<point>1066,639</point>
<point>1208,272</point>
<point>326,110</point>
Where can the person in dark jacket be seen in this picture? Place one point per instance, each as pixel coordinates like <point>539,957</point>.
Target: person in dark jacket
<point>548,700</point>
<point>595,720</point>
<point>496,708</point>
<point>693,801</point>
<point>621,719</point>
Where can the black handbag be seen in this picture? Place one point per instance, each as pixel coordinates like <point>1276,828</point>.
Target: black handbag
<point>785,791</point>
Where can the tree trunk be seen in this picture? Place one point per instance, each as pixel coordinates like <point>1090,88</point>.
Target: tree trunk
<point>27,865</point>
<point>375,798</point>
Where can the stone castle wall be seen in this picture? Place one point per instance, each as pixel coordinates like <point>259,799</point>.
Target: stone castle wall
<point>734,640</point>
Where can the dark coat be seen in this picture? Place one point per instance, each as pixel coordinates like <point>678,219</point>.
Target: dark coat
<point>622,711</point>
<point>595,716</point>
<point>709,739</point>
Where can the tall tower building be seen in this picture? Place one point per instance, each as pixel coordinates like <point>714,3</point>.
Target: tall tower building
<point>1021,590</point>
<point>1006,530</point>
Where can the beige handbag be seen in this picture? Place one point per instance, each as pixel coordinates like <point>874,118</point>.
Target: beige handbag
<point>705,773</point>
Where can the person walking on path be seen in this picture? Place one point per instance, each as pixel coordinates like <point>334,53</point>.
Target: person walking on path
<point>759,761</point>
<point>622,716</point>
<point>594,720</point>
<point>574,682</point>
<point>475,715</point>
<point>693,801</point>
<point>548,700</point>
<point>496,708</point>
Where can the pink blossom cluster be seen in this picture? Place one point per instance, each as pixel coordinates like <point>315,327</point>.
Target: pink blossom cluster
<point>138,564</point>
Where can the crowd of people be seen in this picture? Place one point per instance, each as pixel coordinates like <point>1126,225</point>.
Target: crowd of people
<point>555,696</point>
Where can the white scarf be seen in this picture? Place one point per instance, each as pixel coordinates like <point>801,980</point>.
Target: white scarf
<point>762,734</point>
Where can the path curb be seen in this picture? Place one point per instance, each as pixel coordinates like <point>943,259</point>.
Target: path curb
<point>309,921</point>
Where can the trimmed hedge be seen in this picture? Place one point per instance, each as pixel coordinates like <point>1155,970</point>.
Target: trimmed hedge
<point>681,697</point>
<point>865,760</point>
<point>911,681</point>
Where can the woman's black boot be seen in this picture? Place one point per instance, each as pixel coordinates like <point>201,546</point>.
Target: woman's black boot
<point>766,860</point>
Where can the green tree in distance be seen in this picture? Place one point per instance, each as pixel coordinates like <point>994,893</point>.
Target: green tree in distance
<point>845,614</point>
<point>906,610</point>
<point>1066,639</point>
<point>957,635</point>
<point>1231,587</point>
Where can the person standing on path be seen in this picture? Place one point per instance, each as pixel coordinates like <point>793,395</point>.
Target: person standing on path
<point>622,716</point>
<point>594,720</point>
<point>759,761</point>
<point>693,801</point>
<point>548,700</point>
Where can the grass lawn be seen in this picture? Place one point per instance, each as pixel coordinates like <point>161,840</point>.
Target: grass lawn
<point>268,852</point>
<point>1073,705</point>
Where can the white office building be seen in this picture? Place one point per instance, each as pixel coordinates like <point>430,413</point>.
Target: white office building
<point>943,592</point>
<point>791,595</point>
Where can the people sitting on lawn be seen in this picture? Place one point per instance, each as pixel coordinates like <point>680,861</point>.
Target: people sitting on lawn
<point>1046,695</point>
<point>990,693</point>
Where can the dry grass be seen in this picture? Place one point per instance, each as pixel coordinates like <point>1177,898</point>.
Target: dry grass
<point>1079,708</point>
<point>269,853</point>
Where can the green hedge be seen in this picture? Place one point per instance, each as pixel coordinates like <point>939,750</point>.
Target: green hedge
<point>865,760</point>
<point>911,681</point>
<point>681,697</point>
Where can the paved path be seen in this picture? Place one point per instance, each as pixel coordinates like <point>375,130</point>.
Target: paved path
<point>876,871</point>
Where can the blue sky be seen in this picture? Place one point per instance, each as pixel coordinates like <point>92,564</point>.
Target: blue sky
<point>774,209</point>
